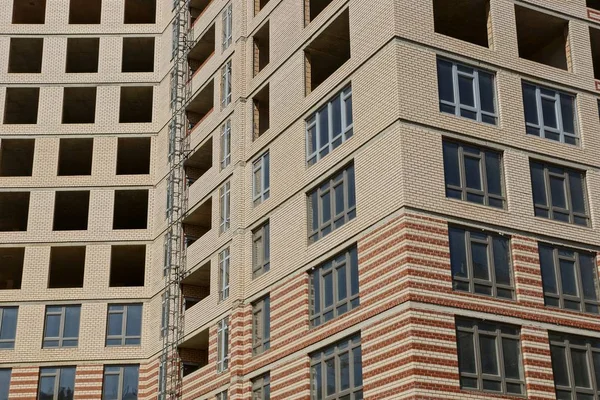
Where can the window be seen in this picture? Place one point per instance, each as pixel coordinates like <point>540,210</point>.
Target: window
<point>261,49</point>
<point>226,84</point>
<point>61,326</point>
<point>336,371</point>
<point>28,12</point>
<point>261,325</point>
<point>164,319</point>
<point>8,327</point>
<point>222,395</point>
<point>489,356</point>
<point>25,55</point>
<point>56,383</point>
<point>334,287</point>
<point>226,17</point>
<point>162,393</point>
<point>261,181</point>
<point>332,204</point>
<point>449,19</point>
<point>466,92</point>
<point>559,193</point>
<point>473,174</point>
<point>225,206</point>
<point>4,383</point>
<point>120,382</point>
<point>140,11</point>
<point>127,265</point>
<point>261,250</point>
<point>570,278</point>
<point>549,113</point>
<point>480,263</point>
<point>226,144</point>
<point>224,274</point>
<point>261,387</point>
<point>223,345</point>
<point>124,324</point>
<point>329,127</point>
<point>576,366</point>
<point>71,210</point>
<point>261,112</point>
<point>14,211</point>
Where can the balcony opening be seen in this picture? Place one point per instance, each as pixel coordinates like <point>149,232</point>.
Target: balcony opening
<point>595,4</point>
<point>595,41</point>
<point>201,106</point>
<point>75,157</point>
<point>25,55</point>
<point>79,105</point>
<point>140,11</point>
<point>71,209</point>
<point>11,267</point>
<point>327,52</point>
<point>260,112</point>
<point>131,209</point>
<point>29,12</point>
<point>312,8</point>
<point>197,7</point>
<point>199,162</point>
<point>259,5</point>
<point>16,157</point>
<point>138,54</point>
<point>542,38</point>
<point>82,55</point>
<point>133,156</point>
<point>261,48</point>
<point>198,222</point>
<point>467,20</point>
<point>136,104</point>
<point>202,50</point>
<point>85,11</point>
<point>196,286</point>
<point>14,211</point>
<point>127,265</point>
<point>21,105</point>
<point>194,352</point>
<point>67,266</point>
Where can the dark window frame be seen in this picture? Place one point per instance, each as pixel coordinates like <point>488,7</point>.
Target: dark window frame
<point>470,236</point>
<point>261,250</point>
<point>261,387</point>
<point>4,389</point>
<point>261,325</point>
<point>119,370</point>
<point>57,374</point>
<point>346,261</point>
<point>8,343</point>
<point>123,338</point>
<point>261,170</point>
<point>61,310</point>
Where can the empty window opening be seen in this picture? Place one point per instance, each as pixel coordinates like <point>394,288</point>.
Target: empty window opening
<point>133,156</point>
<point>67,265</point>
<point>194,352</point>
<point>201,106</point>
<point>11,267</point>
<point>85,11</point>
<point>595,41</point>
<point>82,55</point>
<point>327,52</point>
<point>79,105</point>
<point>197,7</point>
<point>25,55</point>
<point>467,20</point>
<point>21,105</point>
<point>196,286</point>
<point>202,50</point>
<point>259,5</point>
<point>16,157</point>
<point>260,110</point>
<point>71,209</point>
<point>198,222</point>
<point>312,8</point>
<point>199,162</point>
<point>131,209</point>
<point>29,12</point>
<point>138,54</point>
<point>140,11</point>
<point>595,4</point>
<point>75,157</point>
<point>542,38</point>
<point>136,104</point>
<point>261,48</point>
<point>14,211</point>
<point>127,265</point>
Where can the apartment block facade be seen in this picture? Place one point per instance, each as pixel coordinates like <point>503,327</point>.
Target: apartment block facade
<point>299,199</point>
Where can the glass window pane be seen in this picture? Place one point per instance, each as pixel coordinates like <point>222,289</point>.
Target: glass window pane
<point>130,383</point>
<point>480,261</point>
<point>351,187</point>
<point>344,371</point>
<point>465,90</point>
<point>328,289</point>
<point>134,320</point>
<point>326,207</point>
<point>451,164</point>
<point>336,116</point>
<point>529,104</point>
<point>548,272</point>
<point>110,388</point>
<point>493,172</point>
<point>316,291</point>
<point>538,183</point>
<point>557,192</point>
<point>489,357</point>
<point>576,191</point>
<point>445,86</point>
<point>357,356</point>
<point>71,329</point>
<point>466,352</point>
<point>353,271</point>
<point>501,260</point>
<point>342,283</point>
<point>67,384</point>
<point>339,199</point>
<point>473,173</point>
<point>581,373</point>
<point>323,121</point>
<point>330,376</point>
<point>4,383</point>
<point>115,323</point>
<point>267,320</point>
<point>511,354</point>
<point>486,91</point>
<point>549,112</point>
<point>568,277</point>
<point>8,325</point>
<point>46,388</point>
<point>349,111</point>
<point>52,326</point>
<point>317,382</point>
<point>589,276</point>
<point>567,112</point>
<point>458,260</point>
<point>312,139</point>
